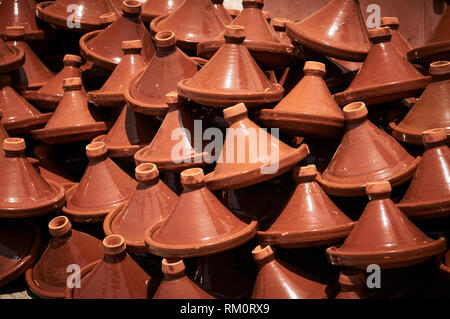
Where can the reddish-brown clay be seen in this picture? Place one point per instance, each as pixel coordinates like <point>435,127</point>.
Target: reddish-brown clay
<point>23,192</point>
<point>176,285</point>
<point>198,225</point>
<point>116,276</point>
<point>384,236</point>
<point>398,41</point>
<point>385,76</point>
<point>432,110</point>
<point>337,30</point>
<point>103,187</point>
<point>204,23</point>
<point>242,163</point>
<point>151,202</point>
<point>310,218</point>
<point>3,133</point>
<point>353,284</point>
<point>48,277</point>
<point>72,120</point>
<point>280,25</point>
<point>309,109</point>
<point>145,93</point>
<point>20,245</point>
<point>366,154</point>
<point>444,265</point>
<point>104,47</point>
<point>222,11</point>
<point>48,96</point>
<point>277,280</point>
<point>161,150</point>
<point>11,57</point>
<point>428,195</point>
<point>155,8</point>
<point>20,13</point>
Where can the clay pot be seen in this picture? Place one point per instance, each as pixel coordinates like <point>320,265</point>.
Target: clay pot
<point>20,245</point>
<point>176,285</point>
<point>277,280</point>
<point>116,276</point>
<point>222,11</point>
<point>353,284</point>
<point>198,225</point>
<point>240,164</point>
<point>48,277</point>
<point>145,92</point>
<point>385,76</point>
<point>104,47</point>
<point>20,13</point>
<point>309,109</point>
<point>397,40</point>
<point>72,121</point>
<point>192,22</point>
<point>428,195</point>
<point>11,57</point>
<point>48,96</point>
<point>349,170</point>
<point>3,133</point>
<point>23,192</point>
<point>260,39</point>
<point>161,150</point>
<point>384,236</point>
<point>155,8</point>
<point>431,110</point>
<point>280,25</point>
<point>151,202</point>
<point>337,30</point>
<point>309,218</point>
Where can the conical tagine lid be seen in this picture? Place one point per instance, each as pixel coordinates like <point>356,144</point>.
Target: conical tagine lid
<point>212,86</point>
<point>104,47</point>
<point>176,285</point>
<point>20,246</point>
<point>337,30</point>
<point>116,276</point>
<point>260,38</point>
<point>277,280</point>
<point>103,187</point>
<point>353,284</point>
<point>366,154</point>
<point>432,110</point>
<point>428,195</point>
<point>151,202</point>
<point>384,236</point>
<point>385,76</point>
<point>193,21</point>
<point>310,218</point>
<point>222,11</point>
<point>11,57</point>
<point>23,192</point>
<point>398,41</point>
<point>111,93</point>
<point>199,224</point>
<point>51,93</point>
<point>72,120</point>
<point>250,154</point>
<point>20,13</point>
<point>179,122</point>
<point>48,277</point>
<point>155,8</point>
<point>309,109</point>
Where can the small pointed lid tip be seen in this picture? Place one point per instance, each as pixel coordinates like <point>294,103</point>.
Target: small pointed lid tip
<point>192,177</point>
<point>14,144</point>
<point>266,14</point>
<point>15,31</point>
<point>382,34</point>
<point>234,31</point>
<point>378,190</point>
<point>114,245</point>
<point>172,98</point>
<point>434,136</point>
<point>391,22</point>
<point>74,84</point>
<point>173,268</point>
<point>232,113</point>
<point>71,59</point>
<point>108,18</point>
<point>96,149</point>
<point>440,67</point>
<point>146,172</point>
<point>313,67</point>
<point>280,22</point>
<point>305,174</point>
<point>165,39</point>
<point>133,46</point>
<point>352,277</point>
<point>355,111</point>
<point>132,7</point>
<point>262,254</point>
<point>59,226</point>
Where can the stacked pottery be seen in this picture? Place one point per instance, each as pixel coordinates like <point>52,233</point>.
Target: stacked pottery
<point>20,13</point>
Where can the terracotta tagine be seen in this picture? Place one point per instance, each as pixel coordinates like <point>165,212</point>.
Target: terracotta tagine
<point>33,74</point>
<point>222,11</point>
<point>104,47</point>
<point>337,30</point>
<point>11,57</point>
<point>366,154</point>
<point>23,192</point>
<point>397,40</point>
<point>48,96</point>
<point>385,76</point>
<point>151,202</point>
<point>176,285</point>
<point>20,245</point>
<point>384,236</point>
<point>353,284</point>
<point>145,93</point>
<point>280,25</point>
<point>198,225</point>
<point>20,13</point>
<point>48,277</point>
<point>257,163</point>
<point>116,276</point>
<point>103,187</point>
<point>277,280</point>
<point>192,22</point>
<point>428,195</point>
<point>310,218</point>
<point>155,8</point>
<point>64,14</point>
<point>432,110</point>
<point>309,109</point>
<point>73,120</point>
<point>260,39</point>
<point>3,133</point>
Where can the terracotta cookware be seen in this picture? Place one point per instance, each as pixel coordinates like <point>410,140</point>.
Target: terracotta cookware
<point>11,57</point>
<point>155,8</point>
<point>20,13</point>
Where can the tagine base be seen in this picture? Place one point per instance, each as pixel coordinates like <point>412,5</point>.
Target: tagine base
<point>27,125</point>
<point>14,63</point>
<point>409,136</point>
<point>426,210</point>
<point>90,55</point>
<point>427,54</point>
<point>62,135</point>
<point>42,100</point>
